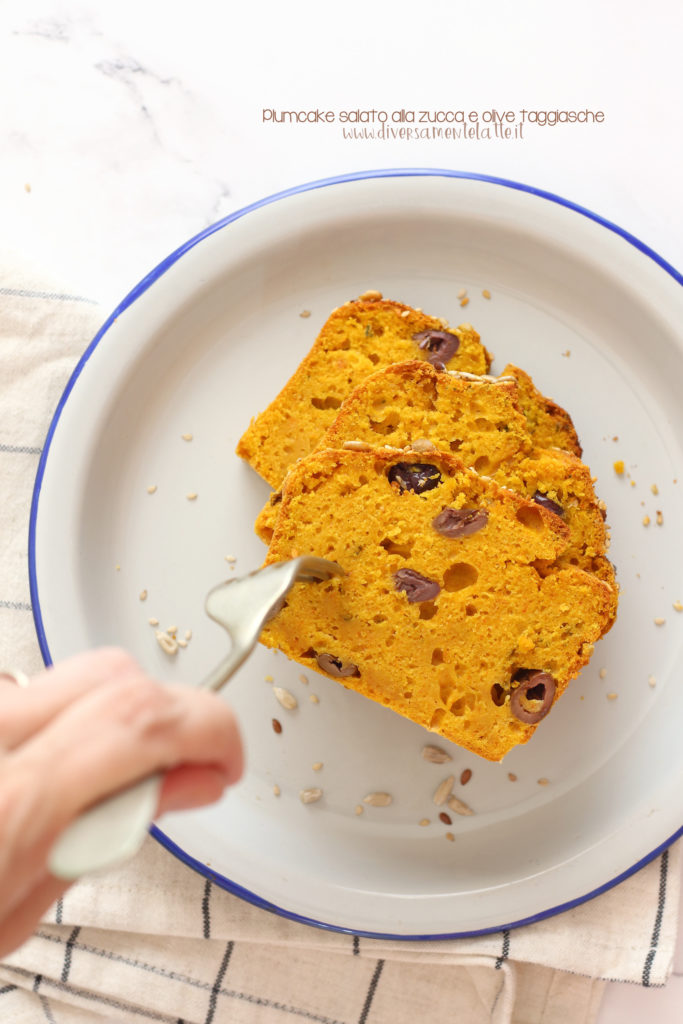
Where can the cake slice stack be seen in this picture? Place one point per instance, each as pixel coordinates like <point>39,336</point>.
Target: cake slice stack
<point>473,542</point>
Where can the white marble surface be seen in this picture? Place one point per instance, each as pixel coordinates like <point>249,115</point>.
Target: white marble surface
<point>129,127</point>
<point>136,124</point>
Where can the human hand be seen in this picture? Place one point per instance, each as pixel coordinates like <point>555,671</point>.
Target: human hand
<point>82,730</point>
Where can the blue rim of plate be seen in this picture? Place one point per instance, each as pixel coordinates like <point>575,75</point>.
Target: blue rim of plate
<point>135,293</point>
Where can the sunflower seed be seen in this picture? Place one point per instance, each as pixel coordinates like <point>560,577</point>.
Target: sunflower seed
<point>356,446</point>
<point>443,791</point>
<point>436,755</point>
<point>458,806</point>
<point>166,642</point>
<point>285,698</point>
<point>421,444</point>
<point>310,796</point>
<point>377,799</point>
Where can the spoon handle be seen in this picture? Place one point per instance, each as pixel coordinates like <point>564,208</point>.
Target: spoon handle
<point>107,834</point>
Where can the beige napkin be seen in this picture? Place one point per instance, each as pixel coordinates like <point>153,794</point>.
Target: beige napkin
<point>154,941</point>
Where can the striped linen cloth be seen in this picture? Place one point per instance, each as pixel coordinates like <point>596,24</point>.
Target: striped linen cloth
<point>153,941</point>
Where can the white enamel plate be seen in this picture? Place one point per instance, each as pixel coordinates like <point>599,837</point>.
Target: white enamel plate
<point>204,343</point>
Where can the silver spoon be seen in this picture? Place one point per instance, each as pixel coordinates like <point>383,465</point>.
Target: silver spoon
<point>114,830</point>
